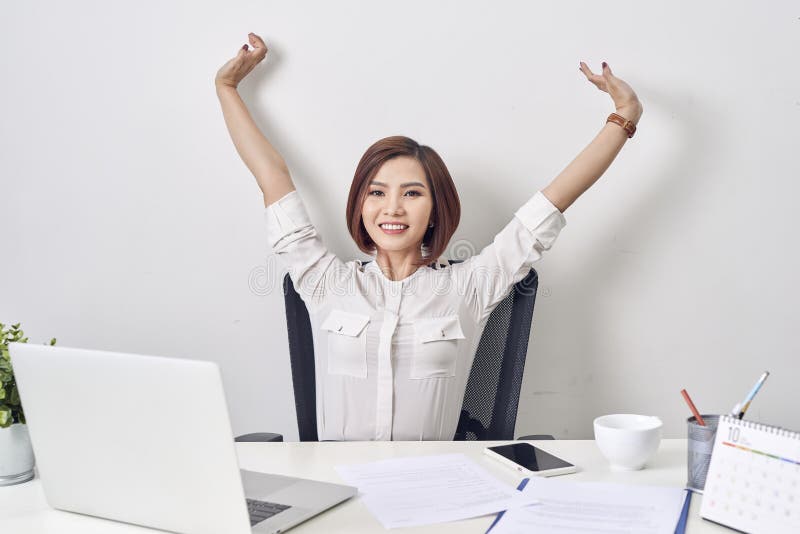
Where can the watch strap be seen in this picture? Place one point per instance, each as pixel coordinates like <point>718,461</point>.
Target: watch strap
<point>629,126</point>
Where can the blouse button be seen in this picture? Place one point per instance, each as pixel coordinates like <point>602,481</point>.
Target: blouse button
<point>442,333</point>
<point>340,328</point>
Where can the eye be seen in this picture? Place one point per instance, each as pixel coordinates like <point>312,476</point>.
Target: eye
<point>412,192</point>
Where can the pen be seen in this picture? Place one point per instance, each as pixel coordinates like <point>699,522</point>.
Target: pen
<point>697,415</point>
<point>749,399</point>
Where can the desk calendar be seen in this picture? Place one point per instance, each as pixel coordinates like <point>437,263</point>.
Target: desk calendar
<point>753,482</point>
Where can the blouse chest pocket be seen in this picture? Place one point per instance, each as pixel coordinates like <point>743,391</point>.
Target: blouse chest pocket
<point>347,343</point>
<point>436,347</point>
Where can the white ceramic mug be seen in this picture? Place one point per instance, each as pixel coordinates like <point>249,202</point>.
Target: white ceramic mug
<point>628,441</point>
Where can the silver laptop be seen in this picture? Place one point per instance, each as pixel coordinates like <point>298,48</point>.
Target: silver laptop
<point>147,440</point>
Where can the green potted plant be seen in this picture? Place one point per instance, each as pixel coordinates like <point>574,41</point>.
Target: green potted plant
<point>16,454</point>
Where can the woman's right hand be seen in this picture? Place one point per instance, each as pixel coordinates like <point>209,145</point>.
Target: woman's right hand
<point>232,72</point>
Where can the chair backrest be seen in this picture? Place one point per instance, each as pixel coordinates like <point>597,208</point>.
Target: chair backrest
<point>301,357</point>
<point>491,399</point>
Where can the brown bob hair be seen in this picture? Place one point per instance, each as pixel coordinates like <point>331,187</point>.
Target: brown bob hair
<point>446,211</point>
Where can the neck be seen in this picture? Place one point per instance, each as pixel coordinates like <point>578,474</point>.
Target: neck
<point>397,265</point>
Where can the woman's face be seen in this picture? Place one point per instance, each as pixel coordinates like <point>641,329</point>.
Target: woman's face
<point>399,194</point>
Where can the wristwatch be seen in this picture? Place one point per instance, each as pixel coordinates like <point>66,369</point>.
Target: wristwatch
<point>622,121</point>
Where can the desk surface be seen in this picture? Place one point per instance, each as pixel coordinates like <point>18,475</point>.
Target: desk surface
<point>23,509</point>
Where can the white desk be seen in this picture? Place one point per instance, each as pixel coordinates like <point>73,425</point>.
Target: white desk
<point>23,509</point>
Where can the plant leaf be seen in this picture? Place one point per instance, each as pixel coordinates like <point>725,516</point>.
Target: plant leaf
<point>5,417</point>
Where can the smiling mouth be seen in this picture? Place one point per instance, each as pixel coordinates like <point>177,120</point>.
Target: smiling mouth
<point>393,228</point>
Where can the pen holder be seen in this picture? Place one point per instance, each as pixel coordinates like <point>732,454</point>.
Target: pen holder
<point>699,447</point>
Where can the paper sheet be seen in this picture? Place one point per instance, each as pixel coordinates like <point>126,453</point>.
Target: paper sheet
<point>423,490</point>
<point>594,508</point>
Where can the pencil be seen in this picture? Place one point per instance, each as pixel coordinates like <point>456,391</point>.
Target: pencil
<point>697,415</point>
<point>752,393</point>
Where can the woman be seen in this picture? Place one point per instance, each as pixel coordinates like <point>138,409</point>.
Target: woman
<point>394,338</point>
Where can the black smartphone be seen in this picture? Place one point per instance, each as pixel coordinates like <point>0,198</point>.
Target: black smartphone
<point>531,460</point>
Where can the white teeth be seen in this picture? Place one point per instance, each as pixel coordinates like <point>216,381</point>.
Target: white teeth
<point>394,226</point>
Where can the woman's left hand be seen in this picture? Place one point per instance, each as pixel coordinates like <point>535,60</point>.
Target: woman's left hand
<point>622,93</point>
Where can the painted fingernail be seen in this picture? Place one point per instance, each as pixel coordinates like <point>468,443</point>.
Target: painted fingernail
<point>605,64</point>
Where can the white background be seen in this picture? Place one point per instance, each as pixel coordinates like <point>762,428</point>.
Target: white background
<point>130,223</point>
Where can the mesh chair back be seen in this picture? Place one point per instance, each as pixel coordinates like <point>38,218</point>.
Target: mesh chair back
<point>489,411</point>
<point>491,399</point>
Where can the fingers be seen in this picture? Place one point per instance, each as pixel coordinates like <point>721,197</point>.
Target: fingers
<point>606,70</point>
<point>256,40</point>
<point>587,71</point>
<point>258,44</point>
<point>248,57</point>
<point>594,78</point>
<point>599,80</point>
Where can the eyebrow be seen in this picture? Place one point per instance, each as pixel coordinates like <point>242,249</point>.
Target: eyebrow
<point>407,184</point>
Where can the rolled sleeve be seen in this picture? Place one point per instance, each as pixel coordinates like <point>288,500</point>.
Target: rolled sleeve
<point>487,277</point>
<point>541,217</point>
<point>285,217</point>
<point>295,241</point>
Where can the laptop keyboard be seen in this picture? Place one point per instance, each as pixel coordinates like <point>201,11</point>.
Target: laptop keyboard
<point>261,510</point>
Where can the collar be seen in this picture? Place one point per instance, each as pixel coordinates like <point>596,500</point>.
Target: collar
<point>372,266</point>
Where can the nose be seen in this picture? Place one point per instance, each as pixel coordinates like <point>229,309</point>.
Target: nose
<point>392,206</point>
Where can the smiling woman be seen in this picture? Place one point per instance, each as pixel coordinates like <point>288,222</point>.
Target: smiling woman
<point>395,338</point>
<point>403,205</point>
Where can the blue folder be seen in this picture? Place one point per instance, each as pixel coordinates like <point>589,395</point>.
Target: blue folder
<point>680,528</point>
<point>499,515</point>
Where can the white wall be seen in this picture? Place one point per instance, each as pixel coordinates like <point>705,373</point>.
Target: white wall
<point>129,222</point>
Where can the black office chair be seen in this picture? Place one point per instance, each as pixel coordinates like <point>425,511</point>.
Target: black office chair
<point>489,410</point>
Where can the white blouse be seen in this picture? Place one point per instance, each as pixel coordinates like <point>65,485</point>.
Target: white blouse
<point>392,357</point>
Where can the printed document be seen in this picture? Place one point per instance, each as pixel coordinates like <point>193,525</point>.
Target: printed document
<point>423,490</point>
<point>594,508</point>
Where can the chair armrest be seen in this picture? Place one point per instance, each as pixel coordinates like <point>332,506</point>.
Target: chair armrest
<point>259,437</point>
<point>534,437</point>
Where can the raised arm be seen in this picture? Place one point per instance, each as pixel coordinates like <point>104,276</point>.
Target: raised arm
<point>593,160</point>
<point>266,164</point>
